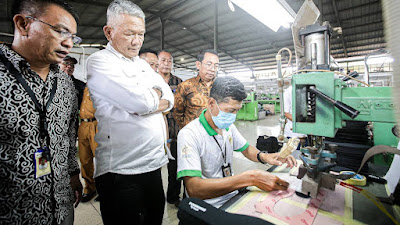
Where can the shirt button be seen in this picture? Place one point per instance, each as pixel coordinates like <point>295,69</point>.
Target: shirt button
<point>108,137</point>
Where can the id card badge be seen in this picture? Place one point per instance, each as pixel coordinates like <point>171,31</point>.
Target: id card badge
<point>226,170</point>
<point>42,165</point>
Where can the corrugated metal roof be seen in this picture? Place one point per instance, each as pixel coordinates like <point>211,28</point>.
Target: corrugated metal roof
<point>243,42</point>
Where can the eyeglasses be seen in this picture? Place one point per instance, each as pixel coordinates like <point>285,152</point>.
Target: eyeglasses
<point>68,64</point>
<point>64,34</point>
<point>210,65</point>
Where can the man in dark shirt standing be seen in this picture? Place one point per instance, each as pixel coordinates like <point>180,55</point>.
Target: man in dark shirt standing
<point>165,65</point>
<point>68,66</point>
<point>38,169</point>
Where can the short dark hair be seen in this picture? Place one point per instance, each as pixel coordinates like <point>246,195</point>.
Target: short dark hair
<point>36,8</point>
<point>200,56</point>
<point>227,87</point>
<point>144,51</point>
<point>158,53</point>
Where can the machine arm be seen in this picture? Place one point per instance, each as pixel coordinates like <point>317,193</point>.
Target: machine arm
<point>348,110</point>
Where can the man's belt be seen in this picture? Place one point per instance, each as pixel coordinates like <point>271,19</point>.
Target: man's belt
<point>89,120</point>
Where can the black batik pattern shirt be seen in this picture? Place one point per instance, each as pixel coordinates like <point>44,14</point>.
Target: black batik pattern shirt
<point>23,198</point>
<point>173,127</point>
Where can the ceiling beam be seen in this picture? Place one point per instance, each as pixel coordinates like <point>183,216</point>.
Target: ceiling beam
<point>378,3</point>
<point>160,14</point>
<point>207,41</point>
<point>151,6</point>
<point>175,47</point>
<point>340,25</point>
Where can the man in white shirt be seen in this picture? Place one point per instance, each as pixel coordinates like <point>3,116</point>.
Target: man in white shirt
<point>129,98</point>
<point>206,145</point>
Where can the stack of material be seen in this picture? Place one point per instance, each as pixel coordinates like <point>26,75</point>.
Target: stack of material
<point>353,141</point>
<point>355,132</point>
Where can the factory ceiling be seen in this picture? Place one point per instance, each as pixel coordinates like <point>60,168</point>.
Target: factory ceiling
<point>244,43</point>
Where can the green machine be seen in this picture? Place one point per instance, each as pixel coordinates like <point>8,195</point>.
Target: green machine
<point>249,110</point>
<point>323,112</point>
<point>251,106</point>
<point>322,103</point>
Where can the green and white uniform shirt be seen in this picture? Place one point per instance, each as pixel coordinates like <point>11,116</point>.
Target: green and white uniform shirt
<point>200,156</point>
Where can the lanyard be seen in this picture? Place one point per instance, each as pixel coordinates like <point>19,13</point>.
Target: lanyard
<point>41,109</point>
<point>223,155</point>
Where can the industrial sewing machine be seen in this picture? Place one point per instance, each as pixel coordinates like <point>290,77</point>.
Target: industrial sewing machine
<point>322,103</point>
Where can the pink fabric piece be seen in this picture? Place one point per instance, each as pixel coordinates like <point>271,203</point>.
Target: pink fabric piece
<point>305,218</point>
<point>334,203</point>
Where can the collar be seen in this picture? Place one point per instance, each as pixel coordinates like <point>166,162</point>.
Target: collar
<point>118,54</point>
<point>198,79</point>
<point>206,125</point>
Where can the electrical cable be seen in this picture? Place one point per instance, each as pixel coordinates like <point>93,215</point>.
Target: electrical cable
<point>289,61</point>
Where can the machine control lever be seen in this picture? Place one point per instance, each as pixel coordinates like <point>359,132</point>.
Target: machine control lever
<point>348,110</point>
<point>353,74</point>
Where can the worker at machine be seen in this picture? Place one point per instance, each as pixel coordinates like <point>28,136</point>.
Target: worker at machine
<point>206,145</point>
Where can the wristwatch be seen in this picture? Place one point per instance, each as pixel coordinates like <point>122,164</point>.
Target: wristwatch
<point>159,89</point>
<point>259,158</point>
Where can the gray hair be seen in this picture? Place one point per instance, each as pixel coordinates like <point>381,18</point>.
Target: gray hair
<point>118,7</point>
<point>227,87</point>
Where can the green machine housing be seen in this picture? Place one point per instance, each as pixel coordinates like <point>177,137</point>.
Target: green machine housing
<point>314,115</point>
<point>250,107</point>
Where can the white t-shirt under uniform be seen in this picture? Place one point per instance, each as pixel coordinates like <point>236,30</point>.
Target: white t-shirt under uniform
<point>200,156</point>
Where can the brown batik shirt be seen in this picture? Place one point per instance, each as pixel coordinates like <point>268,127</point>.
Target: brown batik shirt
<point>191,97</point>
<point>173,127</point>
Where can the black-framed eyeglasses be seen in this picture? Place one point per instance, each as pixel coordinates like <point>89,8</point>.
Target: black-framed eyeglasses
<point>68,64</point>
<point>211,65</point>
<point>64,34</point>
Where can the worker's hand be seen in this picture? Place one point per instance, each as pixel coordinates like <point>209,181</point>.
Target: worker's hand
<point>274,159</point>
<point>267,181</point>
<point>77,188</point>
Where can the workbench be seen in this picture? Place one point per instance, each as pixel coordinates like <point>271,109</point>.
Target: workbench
<point>354,209</point>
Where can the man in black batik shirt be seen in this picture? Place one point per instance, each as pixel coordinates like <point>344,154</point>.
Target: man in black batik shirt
<point>39,172</point>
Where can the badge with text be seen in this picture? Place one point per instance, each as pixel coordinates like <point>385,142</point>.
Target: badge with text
<point>42,164</point>
<point>226,170</point>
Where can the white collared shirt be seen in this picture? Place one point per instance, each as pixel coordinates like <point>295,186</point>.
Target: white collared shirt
<point>131,136</point>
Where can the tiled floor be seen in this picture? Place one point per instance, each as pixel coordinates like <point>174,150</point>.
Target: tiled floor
<point>89,213</point>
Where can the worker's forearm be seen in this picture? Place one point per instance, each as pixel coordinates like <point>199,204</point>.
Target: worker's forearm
<point>289,116</point>
<point>212,188</point>
<point>251,153</point>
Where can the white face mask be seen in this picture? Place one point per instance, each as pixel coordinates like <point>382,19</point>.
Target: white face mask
<point>223,120</point>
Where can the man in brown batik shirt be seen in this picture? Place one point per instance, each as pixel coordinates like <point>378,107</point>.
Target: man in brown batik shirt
<point>191,96</point>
